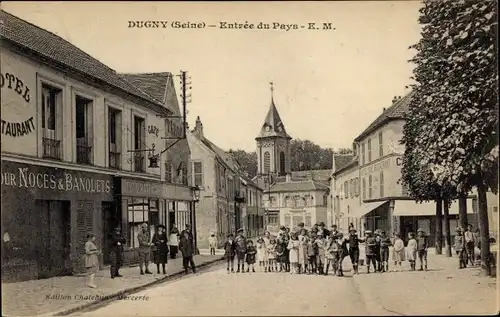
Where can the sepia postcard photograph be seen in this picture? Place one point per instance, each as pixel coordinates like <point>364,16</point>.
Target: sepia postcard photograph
<point>249,158</point>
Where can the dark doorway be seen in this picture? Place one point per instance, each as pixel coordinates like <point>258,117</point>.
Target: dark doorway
<point>408,225</point>
<point>55,238</point>
<point>110,220</point>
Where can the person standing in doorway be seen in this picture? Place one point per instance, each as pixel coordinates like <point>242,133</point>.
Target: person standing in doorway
<point>173,240</point>
<point>186,247</point>
<point>91,260</point>
<point>161,253</point>
<point>116,252</point>
<point>144,249</point>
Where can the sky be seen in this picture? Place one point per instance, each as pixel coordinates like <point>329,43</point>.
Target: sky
<point>329,85</point>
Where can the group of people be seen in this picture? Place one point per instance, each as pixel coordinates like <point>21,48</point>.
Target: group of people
<point>159,245</point>
<point>467,246</point>
<point>317,250</point>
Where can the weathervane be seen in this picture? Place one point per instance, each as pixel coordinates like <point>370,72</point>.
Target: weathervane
<point>272,90</point>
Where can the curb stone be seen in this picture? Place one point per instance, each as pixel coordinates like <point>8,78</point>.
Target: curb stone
<point>123,293</point>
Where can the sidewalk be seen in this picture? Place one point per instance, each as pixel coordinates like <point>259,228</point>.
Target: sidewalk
<point>65,295</point>
<point>442,290</point>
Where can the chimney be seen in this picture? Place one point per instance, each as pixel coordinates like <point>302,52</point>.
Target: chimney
<point>288,178</point>
<point>384,109</point>
<point>198,129</point>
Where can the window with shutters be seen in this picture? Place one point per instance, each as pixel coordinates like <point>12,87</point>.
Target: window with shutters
<point>198,174</point>
<point>288,220</point>
<point>370,188</point>
<point>364,188</point>
<point>168,173</point>
<point>267,162</point>
<point>307,222</point>
<point>380,144</point>
<point>381,185</point>
<point>346,189</point>
<point>363,154</point>
<point>369,150</point>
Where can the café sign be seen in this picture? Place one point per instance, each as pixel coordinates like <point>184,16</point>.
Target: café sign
<point>25,178</point>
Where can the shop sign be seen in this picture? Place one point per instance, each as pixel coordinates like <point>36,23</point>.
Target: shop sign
<point>26,177</point>
<point>141,188</point>
<point>26,125</point>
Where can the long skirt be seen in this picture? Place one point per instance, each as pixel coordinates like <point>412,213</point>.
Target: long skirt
<point>160,257</point>
<point>411,255</point>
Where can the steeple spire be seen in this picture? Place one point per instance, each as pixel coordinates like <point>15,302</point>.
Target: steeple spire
<point>272,92</point>
<point>273,126</point>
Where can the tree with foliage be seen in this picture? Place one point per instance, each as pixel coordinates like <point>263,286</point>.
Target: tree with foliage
<point>456,93</point>
<point>247,161</point>
<point>307,155</point>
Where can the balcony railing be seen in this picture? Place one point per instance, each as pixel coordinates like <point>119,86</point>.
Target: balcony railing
<point>83,152</point>
<point>139,163</point>
<point>51,148</point>
<point>114,160</point>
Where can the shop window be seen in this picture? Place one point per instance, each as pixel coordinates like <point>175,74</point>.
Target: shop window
<point>273,219</point>
<point>140,211</point>
<point>139,140</point>
<point>115,137</point>
<point>84,125</point>
<point>198,174</point>
<point>52,99</point>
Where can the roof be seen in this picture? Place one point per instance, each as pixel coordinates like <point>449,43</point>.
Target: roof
<point>341,160</point>
<point>250,181</point>
<point>273,126</point>
<point>47,45</point>
<point>395,111</point>
<point>154,84</point>
<point>350,164</point>
<point>293,186</point>
<point>221,154</point>
<point>314,174</point>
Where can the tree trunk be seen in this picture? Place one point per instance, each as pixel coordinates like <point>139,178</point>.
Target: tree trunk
<point>447,233</point>
<point>462,211</point>
<point>439,226</point>
<point>484,229</point>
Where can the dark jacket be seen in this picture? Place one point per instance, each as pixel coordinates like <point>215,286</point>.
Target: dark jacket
<point>186,246</point>
<point>190,233</point>
<point>370,246</point>
<point>229,248</point>
<point>115,239</point>
<point>241,244</point>
<point>160,241</point>
<point>385,242</point>
<point>353,241</point>
<point>422,243</point>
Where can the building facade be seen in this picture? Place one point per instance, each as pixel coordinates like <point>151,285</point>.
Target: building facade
<point>65,170</point>
<point>223,207</point>
<point>369,188</point>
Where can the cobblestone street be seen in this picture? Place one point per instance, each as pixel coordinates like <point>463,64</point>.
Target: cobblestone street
<point>52,295</point>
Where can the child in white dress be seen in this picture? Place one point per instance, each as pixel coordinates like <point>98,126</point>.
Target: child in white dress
<point>293,246</point>
<point>261,254</point>
<point>271,256</point>
<point>398,252</point>
<point>411,250</point>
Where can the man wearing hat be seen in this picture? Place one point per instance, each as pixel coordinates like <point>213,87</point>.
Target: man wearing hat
<point>370,246</point>
<point>301,227</point>
<point>459,247</point>
<point>324,232</point>
<point>385,243</point>
<point>241,250</point>
<point>116,252</point>
<point>353,242</point>
<point>378,258</point>
<point>422,245</point>
<point>144,248</point>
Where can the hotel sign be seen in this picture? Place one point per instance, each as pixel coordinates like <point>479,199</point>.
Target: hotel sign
<point>26,125</point>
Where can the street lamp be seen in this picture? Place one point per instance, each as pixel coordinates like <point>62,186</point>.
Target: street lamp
<point>196,198</point>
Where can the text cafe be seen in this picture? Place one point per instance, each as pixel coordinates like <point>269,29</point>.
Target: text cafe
<point>46,215</point>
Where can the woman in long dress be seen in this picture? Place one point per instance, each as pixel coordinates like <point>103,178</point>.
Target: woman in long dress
<point>303,240</point>
<point>91,259</point>
<point>261,254</point>
<point>411,251</point>
<point>293,247</point>
<point>161,249</point>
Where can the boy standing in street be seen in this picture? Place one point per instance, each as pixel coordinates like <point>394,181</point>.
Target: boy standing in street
<point>370,246</point>
<point>241,250</point>
<point>422,246</point>
<point>460,249</point>
<point>385,243</point>
<point>353,242</point>
<point>230,252</point>
<point>469,244</point>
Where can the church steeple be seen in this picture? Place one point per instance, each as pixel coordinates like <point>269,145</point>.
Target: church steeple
<point>273,143</point>
<point>273,126</point>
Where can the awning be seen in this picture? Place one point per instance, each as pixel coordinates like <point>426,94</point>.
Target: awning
<point>412,208</point>
<point>366,208</point>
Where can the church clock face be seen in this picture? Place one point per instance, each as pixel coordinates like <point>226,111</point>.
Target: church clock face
<point>268,128</point>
